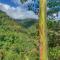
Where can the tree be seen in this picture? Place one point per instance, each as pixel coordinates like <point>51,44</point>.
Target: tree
<point>54,7</point>
<point>42,31</point>
<point>23,1</point>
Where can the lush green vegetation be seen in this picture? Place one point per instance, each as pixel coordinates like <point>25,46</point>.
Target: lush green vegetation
<point>54,39</point>
<point>19,41</point>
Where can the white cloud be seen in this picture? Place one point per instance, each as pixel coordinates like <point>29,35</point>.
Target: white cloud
<point>4,7</point>
<point>17,12</point>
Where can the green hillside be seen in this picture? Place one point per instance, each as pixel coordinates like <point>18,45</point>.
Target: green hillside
<point>19,39</point>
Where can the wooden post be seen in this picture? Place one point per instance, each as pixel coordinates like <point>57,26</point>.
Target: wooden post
<point>43,30</point>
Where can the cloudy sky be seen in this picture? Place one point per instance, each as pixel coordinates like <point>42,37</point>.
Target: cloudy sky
<point>15,9</point>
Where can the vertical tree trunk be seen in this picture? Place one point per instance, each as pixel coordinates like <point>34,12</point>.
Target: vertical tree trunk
<point>42,30</point>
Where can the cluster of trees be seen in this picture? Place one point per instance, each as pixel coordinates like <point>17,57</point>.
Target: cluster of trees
<point>54,39</point>
<point>54,7</point>
<point>20,41</point>
<point>17,41</point>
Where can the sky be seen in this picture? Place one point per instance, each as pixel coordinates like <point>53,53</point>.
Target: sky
<point>16,10</point>
<point>9,2</point>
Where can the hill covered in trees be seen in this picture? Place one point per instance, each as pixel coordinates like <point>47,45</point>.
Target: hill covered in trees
<point>19,39</point>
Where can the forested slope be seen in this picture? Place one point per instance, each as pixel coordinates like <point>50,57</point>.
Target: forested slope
<point>19,41</point>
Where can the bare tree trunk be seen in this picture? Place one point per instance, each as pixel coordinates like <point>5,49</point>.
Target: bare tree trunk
<point>43,31</point>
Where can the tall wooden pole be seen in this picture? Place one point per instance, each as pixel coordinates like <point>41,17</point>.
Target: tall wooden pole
<point>43,30</point>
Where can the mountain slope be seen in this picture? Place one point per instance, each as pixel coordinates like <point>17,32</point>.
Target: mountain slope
<point>16,40</point>
<point>19,39</point>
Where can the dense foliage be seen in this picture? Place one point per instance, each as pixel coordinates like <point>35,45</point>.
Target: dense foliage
<point>54,39</point>
<point>19,39</point>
